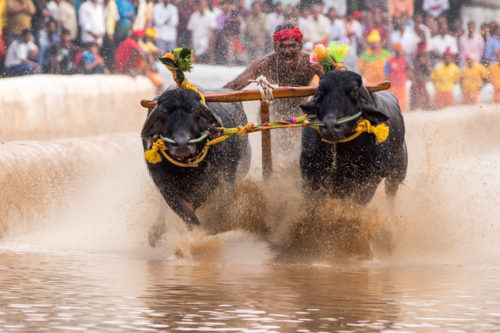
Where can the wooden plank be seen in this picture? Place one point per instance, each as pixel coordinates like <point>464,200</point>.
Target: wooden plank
<point>267,158</point>
<point>254,94</point>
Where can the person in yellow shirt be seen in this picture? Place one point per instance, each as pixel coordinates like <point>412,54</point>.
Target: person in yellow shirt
<point>471,79</point>
<point>494,77</point>
<point>372,61</point>
<point>444,77</point>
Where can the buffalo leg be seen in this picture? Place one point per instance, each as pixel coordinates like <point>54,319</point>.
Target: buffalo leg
<point>157,230</point>
<point>181,207</point>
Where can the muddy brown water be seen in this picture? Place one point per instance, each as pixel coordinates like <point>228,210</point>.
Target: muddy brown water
<point>75,213</point>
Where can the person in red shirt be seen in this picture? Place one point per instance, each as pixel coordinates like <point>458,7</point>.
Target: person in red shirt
<point>396,71</point>
<point>130,57</point>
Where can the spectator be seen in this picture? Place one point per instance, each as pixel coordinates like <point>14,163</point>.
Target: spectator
<point>21,56</point>
<point>471,43</point>
<point>494,77</point>
<point>68,18</point>
<point>404,35</point>
<point>471,78</point>
<point>376,22</point>
<point>275,18</point>
<point>39,18</point>
<point>435,8</point>
<point>340,7</point>
<point>111,16</point>
<point>419,97</point>
<point>401,7</point>
<point>421,30</point>
<point>92,62</point>
<point>91,19</point>
<point>166,19</point>
<point>256,31</point>
<point>3,19</point>
<point>19,14</point>
<point>444,77</point>
<point>54,11</point>
<point>48,38</point>
<point>185,9</point>
<point>457,29</point>
<point>492,46</point>
<point>372,61</point>
<point>396,71</point>
<point>124,25</point>
<point>337,27</point>
<point>201,24</point>
<point>61,55</point>
<point>231,44</point>
<point>316,29</point>
<point>442,42</point>
<point>354,32</point>
<point>130,56</point>
<point>220,47</point>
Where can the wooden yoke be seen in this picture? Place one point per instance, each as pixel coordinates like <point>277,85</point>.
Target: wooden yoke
<point>254,95</point>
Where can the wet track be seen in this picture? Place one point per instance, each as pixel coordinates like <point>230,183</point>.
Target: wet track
<point>75,213</point>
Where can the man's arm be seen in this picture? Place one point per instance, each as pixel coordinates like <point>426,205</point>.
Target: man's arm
<point>251,73</point>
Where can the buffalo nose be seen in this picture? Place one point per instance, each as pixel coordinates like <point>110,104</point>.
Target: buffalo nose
<point>329,125</point>
<point>182,147</point>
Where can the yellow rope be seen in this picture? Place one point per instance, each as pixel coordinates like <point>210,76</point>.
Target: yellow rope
<point>153,155</point>
<point>380,131</point>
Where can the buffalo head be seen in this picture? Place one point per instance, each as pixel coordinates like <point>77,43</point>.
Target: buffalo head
<point>182,120</point>
<point>339,96</point>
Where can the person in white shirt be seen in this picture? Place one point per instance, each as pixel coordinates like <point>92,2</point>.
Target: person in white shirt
<point>405,35</point>
<point>339,5</point>
<point>54,11</point>
<point>201,25</point>
<point>166,19</point>
<point>317,27</point>
<point>337,27</point>
<point>354,31</point>
<point>68,18</point>
<point>275,18</point>
<point>19,54</point>
<point>441,42</point>
<point>91,18</point>
<point>435,8</point>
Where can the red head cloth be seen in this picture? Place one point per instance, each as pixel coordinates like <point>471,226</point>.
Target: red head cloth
<point>448,52</point>
<point>288,33</point>
<point>422,46</point>
<point>139,33</point>
<point>357,15</point>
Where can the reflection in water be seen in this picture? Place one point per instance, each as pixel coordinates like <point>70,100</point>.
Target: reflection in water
<point>96,293</point>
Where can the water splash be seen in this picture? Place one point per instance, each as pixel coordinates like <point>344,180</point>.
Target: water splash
<point>95,194</point>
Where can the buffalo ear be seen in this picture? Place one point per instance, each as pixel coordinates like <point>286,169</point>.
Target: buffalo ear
<point>310,107</point>
<point>373,115</point>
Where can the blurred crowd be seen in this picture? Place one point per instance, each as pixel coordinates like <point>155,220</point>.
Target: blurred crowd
<point>390,40</point>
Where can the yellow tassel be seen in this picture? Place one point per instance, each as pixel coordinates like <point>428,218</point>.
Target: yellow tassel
<point>152,155</point>
<point>380,131</point>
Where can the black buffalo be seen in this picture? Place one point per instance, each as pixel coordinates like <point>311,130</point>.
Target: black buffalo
<point>181,117</point>
<point>351,169</point>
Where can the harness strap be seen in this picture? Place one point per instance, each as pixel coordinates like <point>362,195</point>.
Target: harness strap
<point>153,155</point>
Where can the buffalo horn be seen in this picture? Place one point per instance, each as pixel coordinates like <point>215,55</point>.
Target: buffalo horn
<point>146,103</point>
<point>152,117</point>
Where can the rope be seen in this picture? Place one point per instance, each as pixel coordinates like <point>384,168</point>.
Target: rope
<point>265,87</point>
<point>380,131</point>
<point>153,155</point>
